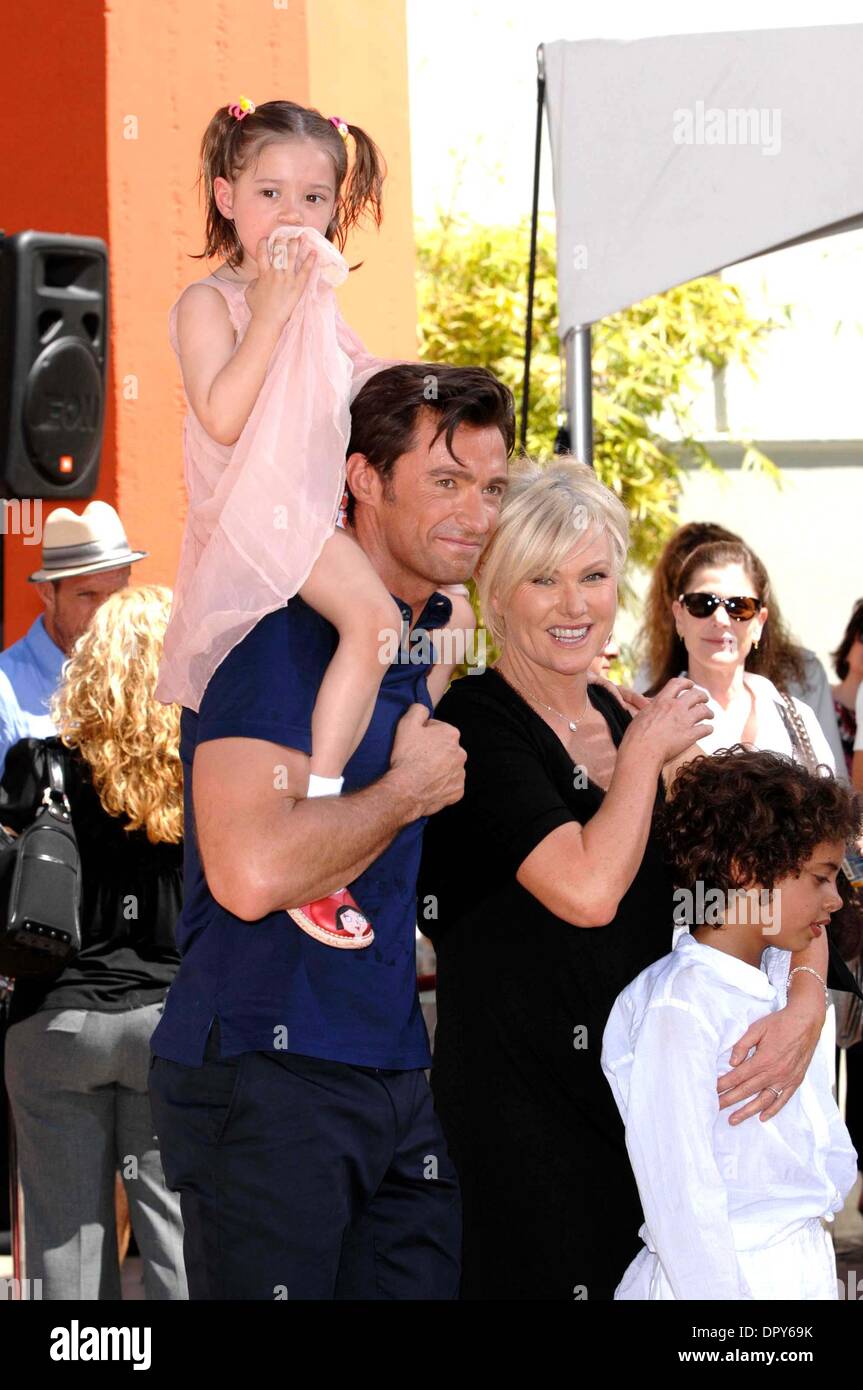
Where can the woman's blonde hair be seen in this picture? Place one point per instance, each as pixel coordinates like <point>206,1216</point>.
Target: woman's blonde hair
<point>547,510</point>
<point>106,708</point>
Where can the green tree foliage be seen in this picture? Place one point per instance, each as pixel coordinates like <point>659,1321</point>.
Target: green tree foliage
<point>647,360</point>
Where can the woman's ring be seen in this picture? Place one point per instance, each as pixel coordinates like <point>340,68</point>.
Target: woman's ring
<point>776,1092</point>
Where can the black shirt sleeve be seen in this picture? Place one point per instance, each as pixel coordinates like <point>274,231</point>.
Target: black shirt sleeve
<point>512,798</point>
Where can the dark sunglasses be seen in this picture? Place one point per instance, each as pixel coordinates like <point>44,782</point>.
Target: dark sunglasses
<point>702,605</point>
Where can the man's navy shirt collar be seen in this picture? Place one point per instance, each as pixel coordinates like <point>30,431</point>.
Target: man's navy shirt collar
<point>436,613</point>
<point>415,648</point>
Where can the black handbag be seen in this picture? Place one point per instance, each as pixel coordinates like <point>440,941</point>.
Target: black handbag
<point>40,887</point>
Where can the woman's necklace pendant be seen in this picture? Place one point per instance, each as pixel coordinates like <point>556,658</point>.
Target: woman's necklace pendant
<point>573,723</point>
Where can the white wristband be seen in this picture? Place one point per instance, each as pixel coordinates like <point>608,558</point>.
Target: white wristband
<point>324,786</point>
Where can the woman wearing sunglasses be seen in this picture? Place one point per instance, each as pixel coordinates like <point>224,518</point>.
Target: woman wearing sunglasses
<point>721,640</point>
<point>792,667</point>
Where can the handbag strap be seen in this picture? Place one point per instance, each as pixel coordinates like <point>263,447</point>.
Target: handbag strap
<point>805,742</point>
<point>55,771</point>
<point>801,731</point>
<point>54,794</point>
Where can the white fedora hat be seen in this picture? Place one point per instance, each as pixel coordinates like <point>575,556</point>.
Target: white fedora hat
<point>85,544</point>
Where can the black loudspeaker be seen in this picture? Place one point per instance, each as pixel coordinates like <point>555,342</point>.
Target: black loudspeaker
<point>53,360</point>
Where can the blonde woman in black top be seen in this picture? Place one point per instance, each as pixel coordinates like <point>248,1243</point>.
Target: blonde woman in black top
<point>77,1047</point>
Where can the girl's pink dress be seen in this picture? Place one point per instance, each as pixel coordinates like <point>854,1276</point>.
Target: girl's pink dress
<point>260,510</point>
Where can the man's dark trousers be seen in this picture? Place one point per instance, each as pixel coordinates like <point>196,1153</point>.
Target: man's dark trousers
<point>307,1179</point>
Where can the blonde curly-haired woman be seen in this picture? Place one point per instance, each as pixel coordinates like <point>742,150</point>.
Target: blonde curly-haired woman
<point>77,1048</point>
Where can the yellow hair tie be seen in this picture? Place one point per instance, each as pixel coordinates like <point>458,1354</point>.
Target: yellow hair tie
<point>241,108</point>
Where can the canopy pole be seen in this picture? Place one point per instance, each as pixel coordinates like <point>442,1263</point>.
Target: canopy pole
<point>531,272</point>
<point>579,392</point>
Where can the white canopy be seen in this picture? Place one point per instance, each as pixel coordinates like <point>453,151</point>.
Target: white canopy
<point>673,157</point>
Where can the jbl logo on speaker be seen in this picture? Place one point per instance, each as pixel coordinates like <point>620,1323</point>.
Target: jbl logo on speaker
<point>53,360</point>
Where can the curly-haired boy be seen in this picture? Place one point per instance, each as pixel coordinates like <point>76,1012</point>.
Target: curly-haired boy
<point>734,1211</point>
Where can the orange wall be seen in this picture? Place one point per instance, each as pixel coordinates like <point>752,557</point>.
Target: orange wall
<point>156,71</point>
<point>54,152</point>
<point>358,70</point>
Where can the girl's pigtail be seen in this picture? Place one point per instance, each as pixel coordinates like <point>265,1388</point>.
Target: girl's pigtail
<point>217,148</point>
<point>362,188</point>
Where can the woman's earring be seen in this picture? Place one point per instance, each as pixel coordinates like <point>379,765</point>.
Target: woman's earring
<point>755,642</point>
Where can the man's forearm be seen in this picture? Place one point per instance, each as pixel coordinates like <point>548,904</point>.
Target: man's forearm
<point>324,843</point>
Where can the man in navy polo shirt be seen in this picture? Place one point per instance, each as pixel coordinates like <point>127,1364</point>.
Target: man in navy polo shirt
<point>288,1079</point>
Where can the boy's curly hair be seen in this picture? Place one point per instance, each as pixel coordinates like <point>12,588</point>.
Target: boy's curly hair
<point>738,818</point>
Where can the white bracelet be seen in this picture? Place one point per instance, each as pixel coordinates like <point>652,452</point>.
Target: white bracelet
<point>810,971</point>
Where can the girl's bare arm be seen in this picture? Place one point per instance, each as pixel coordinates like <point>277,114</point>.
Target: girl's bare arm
<point>222,383</point>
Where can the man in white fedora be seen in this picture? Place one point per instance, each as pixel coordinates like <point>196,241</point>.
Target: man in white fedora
<point>84,559</point>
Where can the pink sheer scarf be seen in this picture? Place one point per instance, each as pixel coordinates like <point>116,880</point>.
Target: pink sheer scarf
<point>260,511</point>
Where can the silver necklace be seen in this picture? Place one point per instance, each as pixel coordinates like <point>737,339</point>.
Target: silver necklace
<point>573,723</point>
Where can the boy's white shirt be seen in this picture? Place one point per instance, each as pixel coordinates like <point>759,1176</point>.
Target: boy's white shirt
<point>708,1188</point>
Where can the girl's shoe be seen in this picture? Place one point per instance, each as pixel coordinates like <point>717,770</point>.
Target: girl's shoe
<point>336,920</point>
